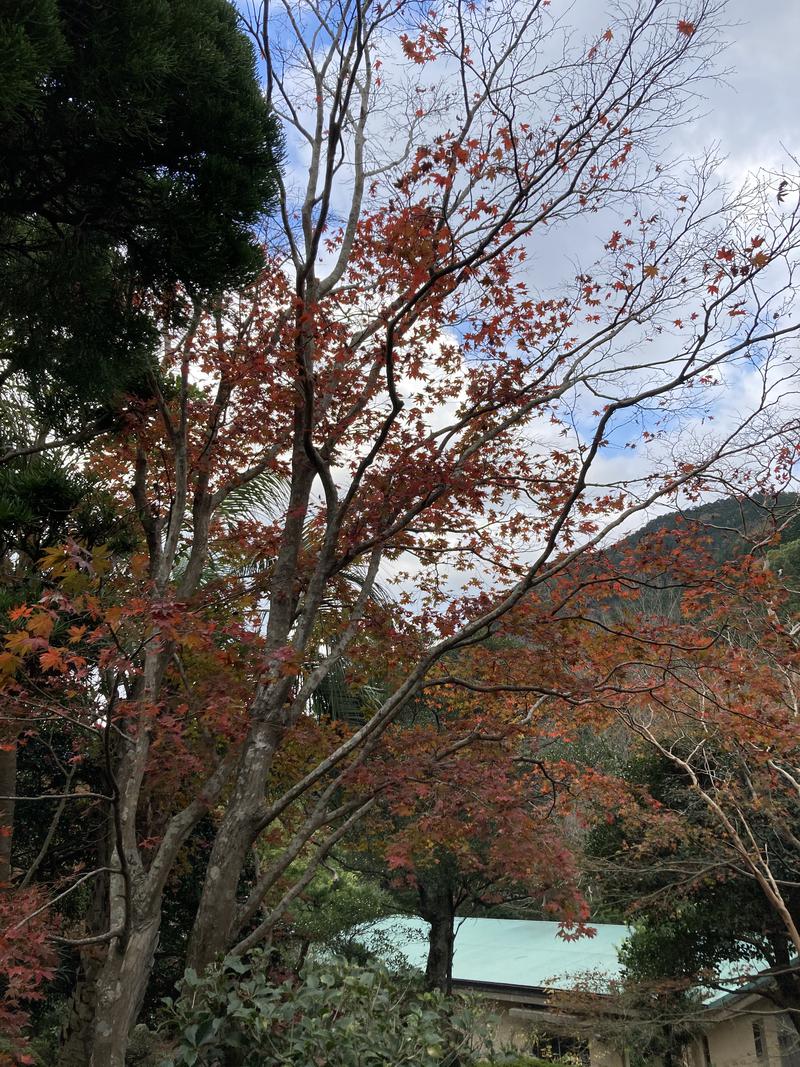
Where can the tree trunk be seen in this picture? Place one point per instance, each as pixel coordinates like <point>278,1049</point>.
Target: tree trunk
<point>436,906</point>
<point>75,1047</point>
<point>76,1034</point>
<point>787,981</point>
<point>213,923</point>
<point>121,988</point>
<point>8,788</point>
<point>113,980</point>
<point>216,913</point>
<point>788,998</point>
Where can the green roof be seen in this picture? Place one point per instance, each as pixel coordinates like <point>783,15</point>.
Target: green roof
<point>529,953</point>
<point>518,952</point>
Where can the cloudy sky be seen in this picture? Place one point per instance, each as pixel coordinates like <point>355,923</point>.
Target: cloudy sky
<point>750,112</point>
<point>757,108</point>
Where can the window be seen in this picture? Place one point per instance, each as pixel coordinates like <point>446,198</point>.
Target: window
<point>758,1040</point>
<point>550,1045</point>
<point>706,1053</point>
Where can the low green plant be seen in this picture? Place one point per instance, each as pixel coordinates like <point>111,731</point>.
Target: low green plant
<point>338,1014</point>
<point>514,1060</point>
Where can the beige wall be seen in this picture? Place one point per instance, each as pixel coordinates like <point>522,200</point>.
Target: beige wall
<point>731,1042</point>
<point>600,1056</point>
<point>730,1039</point>
<point>515,1026</point>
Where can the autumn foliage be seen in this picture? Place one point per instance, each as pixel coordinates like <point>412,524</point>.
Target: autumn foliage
<point>386,457</point>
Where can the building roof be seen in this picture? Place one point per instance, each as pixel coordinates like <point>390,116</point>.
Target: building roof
<point>514,952</point>
<point>529,954</point>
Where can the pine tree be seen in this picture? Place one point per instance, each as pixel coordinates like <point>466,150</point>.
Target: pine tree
<point>137,155</point>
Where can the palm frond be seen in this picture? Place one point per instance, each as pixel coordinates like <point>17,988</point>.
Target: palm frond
<point>356,575</point>
<point>261,498</point>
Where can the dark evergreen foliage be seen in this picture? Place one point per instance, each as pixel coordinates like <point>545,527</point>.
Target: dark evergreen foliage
<point>731,525</point>
<point>137,155</point>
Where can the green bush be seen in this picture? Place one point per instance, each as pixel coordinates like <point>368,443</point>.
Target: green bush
<point>518,1061</point>
<point>338,1014</point>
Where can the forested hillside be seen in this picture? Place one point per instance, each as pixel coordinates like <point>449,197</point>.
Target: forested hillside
<point>732,526</point>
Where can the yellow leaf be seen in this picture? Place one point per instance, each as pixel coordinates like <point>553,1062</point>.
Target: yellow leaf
<point>9,663</point>
<point>101,559</point>
<point>20,641</point>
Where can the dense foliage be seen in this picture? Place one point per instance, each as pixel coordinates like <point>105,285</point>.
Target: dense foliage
<point>138,153</point>
<point>336,1013</point>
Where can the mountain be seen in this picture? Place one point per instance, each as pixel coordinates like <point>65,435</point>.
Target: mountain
<point>732,525</point>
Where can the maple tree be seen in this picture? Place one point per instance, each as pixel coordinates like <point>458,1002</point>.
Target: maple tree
<point>397,396</point>
<point>702,678</point>
<point>468,819</point>
<point>725,724</point>
<point>700,920</point>
<point>695,654</point>
<point>27,958</point>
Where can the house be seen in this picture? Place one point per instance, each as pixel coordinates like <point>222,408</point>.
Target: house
<point>744,1029</point>
<point>516,964</point>
<point>554,992</point>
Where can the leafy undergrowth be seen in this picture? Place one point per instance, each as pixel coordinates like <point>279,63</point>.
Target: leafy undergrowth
<point>519,1061</point>
<point>338,1014</point>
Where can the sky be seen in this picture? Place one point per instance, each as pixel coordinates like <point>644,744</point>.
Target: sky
<point>757,108</point>
<point>752,112</point>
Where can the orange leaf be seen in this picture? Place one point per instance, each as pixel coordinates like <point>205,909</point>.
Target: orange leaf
<point>41,624</point>
<point>686,28</point>
<point>52,660</point>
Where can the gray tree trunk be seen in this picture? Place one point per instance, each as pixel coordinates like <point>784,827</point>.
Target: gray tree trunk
<point>75,1046</point>
<point>76,1033</point>
<point>120,991</point>
<point>8,788</point>
<point>213,924</point>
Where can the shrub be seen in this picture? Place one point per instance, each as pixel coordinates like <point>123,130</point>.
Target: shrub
<point>514,1060</point>
<point>338,1014</point>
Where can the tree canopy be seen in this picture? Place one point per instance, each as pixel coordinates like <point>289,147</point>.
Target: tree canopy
<point>138,156</point>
